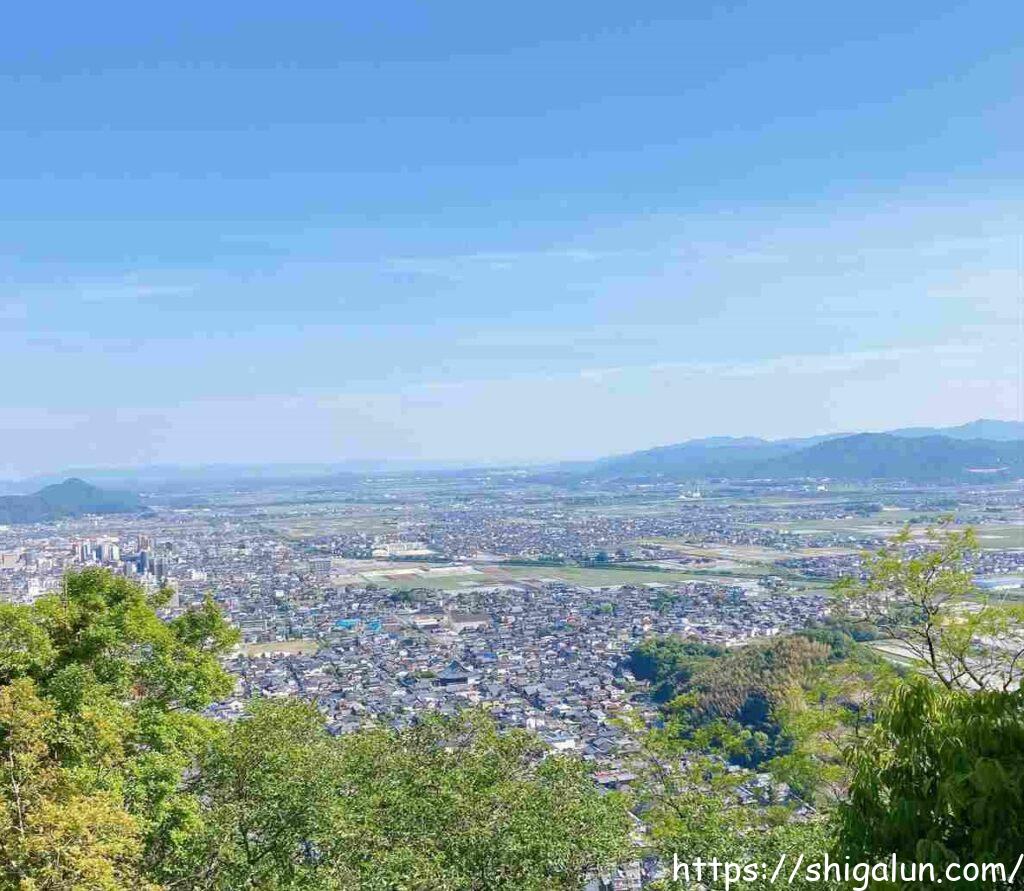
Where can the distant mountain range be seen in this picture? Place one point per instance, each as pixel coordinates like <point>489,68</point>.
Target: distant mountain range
<point>980,450</point>
<point>998,431</point>
<point>71,498</point>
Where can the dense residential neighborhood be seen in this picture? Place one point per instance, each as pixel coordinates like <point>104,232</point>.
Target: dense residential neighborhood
<point>394,597</point>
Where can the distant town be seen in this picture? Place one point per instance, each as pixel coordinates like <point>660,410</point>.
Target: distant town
<point>381,597</point>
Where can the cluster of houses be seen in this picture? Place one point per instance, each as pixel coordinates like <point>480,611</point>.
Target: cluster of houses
<point>547,657</point>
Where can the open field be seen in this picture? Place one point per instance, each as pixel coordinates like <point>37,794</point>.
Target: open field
<point>576,575</point>
<point>895,651</point>
<point>594,577</point>
<point>726,556</point>
<point>1001,536</point>
<point>887,523</point>
<point>440,581</point>
<point>298,528</point>
<point>739,552</point>
<point>726,563</point>
<point>280,646</point>
<point>883,523</point>
<point>456,576</point>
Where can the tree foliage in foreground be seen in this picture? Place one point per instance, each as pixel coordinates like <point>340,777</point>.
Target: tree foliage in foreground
<point>922,595</point>
<point>939,775</point>
<point>446,804</point>
<point>111,778</point>
<point>693,804</point>
<point>939,778</point>
<point>98,722</point>
<point>925,761</point>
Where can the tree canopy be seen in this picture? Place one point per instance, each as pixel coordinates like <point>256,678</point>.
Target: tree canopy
<point>99,717</point>
<point>450,803</point>
<point>113,779</point>
<point>939,778</point>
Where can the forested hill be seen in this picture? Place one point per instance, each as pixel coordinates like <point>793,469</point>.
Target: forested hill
<point>886,456</point>
<point>71,498</point>
<point>860,456</point>
<point>983,428</point>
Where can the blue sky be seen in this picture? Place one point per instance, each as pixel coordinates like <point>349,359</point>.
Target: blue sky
<point>315,232</point>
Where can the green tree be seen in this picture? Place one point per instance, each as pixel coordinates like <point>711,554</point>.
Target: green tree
<point>459,804</point>
<point>819,718</point>
<point>447,804</point>
<point>112,779</point>
<point>939,778</point>
<point>269,784</point>
<point>922,595</point>
<point>698,808</point>
<point>669,662</point>
<point>55,834</point>
<point>100,720</point>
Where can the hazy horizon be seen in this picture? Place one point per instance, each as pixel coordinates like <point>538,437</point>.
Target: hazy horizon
<point>403,463</point>
<point>502,235</point>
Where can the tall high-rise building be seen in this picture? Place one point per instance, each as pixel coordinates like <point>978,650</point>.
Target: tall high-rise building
<point>108,552</point>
